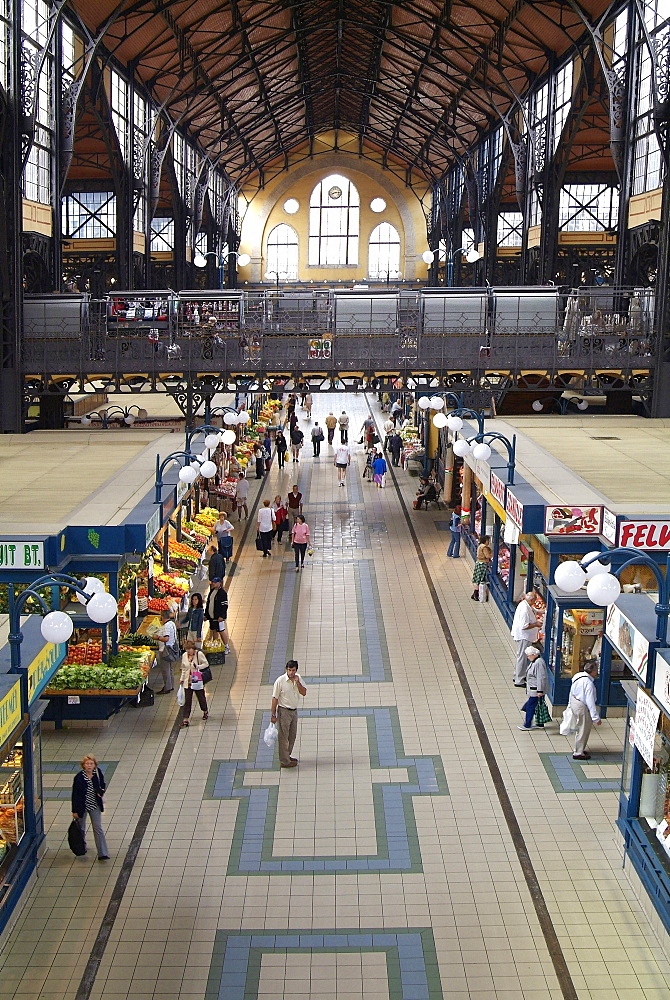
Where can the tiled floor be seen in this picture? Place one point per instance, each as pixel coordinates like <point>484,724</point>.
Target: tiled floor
<point>383,866</point>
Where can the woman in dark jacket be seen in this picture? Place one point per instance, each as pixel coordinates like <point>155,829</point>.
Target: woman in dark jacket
<point>88,789</point>
<point>281,446</point>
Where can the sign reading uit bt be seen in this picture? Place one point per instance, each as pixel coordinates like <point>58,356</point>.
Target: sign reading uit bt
<point>21,555</point>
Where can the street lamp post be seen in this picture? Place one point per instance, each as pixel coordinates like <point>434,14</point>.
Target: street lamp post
<point>187,474</point>
<point>124,414</point>
<point>453,421</point>
<point>480,449</point>
<point>57,626</point>
<point>602,583</point>
<point>200,260</point>
<point>472,255</point>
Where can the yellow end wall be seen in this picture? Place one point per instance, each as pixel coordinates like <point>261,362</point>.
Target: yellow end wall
<point>265,211</point>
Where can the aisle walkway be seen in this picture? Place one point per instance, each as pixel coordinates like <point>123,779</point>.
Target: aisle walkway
<point>397,860</point>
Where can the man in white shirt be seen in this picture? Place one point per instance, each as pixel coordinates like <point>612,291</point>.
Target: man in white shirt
<point>583,705</point>
<point>342,462</point>
<point>266,522</point>
<point>524,631</point>
<point>168,650</point>
<point>286,694</point>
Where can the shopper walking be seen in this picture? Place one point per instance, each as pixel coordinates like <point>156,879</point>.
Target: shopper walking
<point>281,518</point>
<point>193,663</point>
<point>217,564</point>
<point>482,569</point>
<point>454,550</point>
<point>88,789</point>
<point>395,447</point>
<point>286,694</point>
<point>389,428</point>
<point>223,531</point>
<point>300,541</point>
<point>168,650</point>
<point>294,503</point>
<point>379,470</point>
<point>241,496</point>
<point>281,448</point>
<point>331,424</point>
<point>267,447</point>
<point>266,522</point>
<point>368,431</point>
<point>317,438</point>
<point>194,619</point>
<point>524,632</point>
<point>259,457</point>
<point>216,611</point>
<point>342,462</point>
<point>344,427</point>
<point>309,399</point>
<point>537,683</point>
<point>297,438</point>
<point>583,705</point>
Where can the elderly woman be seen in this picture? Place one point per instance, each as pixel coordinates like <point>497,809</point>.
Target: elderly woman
<point>88,789</point>
<point>537,684</point>
<point>192,663</point>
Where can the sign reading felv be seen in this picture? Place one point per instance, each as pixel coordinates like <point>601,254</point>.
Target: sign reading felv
<point>498,489</point>
<point>514,510</point>
<point>653,536</point>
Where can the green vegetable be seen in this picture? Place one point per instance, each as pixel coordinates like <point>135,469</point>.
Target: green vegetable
<point>97,676</point>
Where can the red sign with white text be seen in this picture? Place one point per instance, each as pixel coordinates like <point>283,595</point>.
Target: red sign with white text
<point>498,489</point>
<point>514,510</point>
<point>652,536</point>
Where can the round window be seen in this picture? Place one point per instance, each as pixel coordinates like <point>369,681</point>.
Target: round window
<point>377,204</point>
<point>291,206</point>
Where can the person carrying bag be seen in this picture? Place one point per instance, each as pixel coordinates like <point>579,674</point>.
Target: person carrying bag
<point>193,663</point>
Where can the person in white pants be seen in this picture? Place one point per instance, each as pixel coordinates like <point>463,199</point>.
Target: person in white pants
<point>584,708</point>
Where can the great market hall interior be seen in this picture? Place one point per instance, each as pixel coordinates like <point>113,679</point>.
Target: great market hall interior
<point>334,336</point>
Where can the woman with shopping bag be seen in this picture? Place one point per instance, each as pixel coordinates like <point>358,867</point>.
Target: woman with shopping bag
<point>193,662</point>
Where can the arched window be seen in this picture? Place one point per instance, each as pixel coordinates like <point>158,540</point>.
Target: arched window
<point>282,252</point>
<point>384,253</point>
<point>333,223</point>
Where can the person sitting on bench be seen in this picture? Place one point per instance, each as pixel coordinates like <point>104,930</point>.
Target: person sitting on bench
<point>427,493</point>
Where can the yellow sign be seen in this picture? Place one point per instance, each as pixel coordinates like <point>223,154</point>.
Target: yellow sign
<point>43,666</point>
<point>10,711</point>
<point>492,502</point>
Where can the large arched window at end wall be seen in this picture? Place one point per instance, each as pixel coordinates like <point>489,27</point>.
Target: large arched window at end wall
<point>282,253</point>
<point>384,253</point>
<point>334,208</point>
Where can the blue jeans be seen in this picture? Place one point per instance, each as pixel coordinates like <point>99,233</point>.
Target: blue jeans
<point>529,709</point>
<point>454,549</point>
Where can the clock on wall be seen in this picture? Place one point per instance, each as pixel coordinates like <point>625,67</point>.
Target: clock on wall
<point>335,193</point>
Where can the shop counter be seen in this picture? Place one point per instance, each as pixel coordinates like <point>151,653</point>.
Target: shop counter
<point>91,705</point>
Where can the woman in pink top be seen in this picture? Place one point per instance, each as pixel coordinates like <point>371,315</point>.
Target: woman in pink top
<point>300,539</point>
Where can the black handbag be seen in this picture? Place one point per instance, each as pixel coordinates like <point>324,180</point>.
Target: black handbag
<point>206,674</point>
<point>145,696</point>
<point>259,543</point>
<point>75,839</point>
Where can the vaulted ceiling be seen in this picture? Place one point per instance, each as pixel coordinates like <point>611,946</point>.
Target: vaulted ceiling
<point>417,82</point>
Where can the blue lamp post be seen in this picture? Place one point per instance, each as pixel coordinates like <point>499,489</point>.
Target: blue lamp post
<point>200,260</point>
<point>57,626</point>
<point>481,449</point>
<point>453,421</point>
<point>187,474</point>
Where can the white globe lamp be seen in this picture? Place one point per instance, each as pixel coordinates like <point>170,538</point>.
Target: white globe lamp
<point>603,589</point>
<point>428,256</point>
<point>582,405</point>
<point>472,256</point>
<point>229,437</point>
<point>481,452</point>
<point>102,608</point>
<point>569,576</point>
<point>212,441</point>
<point>244,417</point>
<point>56,627</point>
<point>423,402</point>
<point>129,419</point>
<point>188,474</point>
<point>243,259</point>
<point>595,568</point>
<point>439,420</point>
<point>208,470</point>
<point>85,421</point>
<point>537,405</point>
<point>230,419</point>
<point>462,448</point>
<point>436,403</point>
<point>91,585</point>
<point>454,423</point>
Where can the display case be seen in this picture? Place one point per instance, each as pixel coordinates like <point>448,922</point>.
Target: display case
<point>12,823</point>
<point>210,314</point>
<point>141,314</point>
<point>582,631</point>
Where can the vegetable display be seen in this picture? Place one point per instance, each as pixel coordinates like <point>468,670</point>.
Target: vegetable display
<point>97,677</point>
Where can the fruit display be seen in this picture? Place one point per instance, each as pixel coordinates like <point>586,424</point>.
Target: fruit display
<point>207,517</point>
<point>83,653</point>
<point>183,556</point>
<point>198,536</point>
<point>171,584</point>
<point>156,604</point>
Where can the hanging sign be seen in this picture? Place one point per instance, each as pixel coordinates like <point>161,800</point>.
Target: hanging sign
<point>10,708</point>
<point>153,526</point>
<point>572,520</point>
<point>514,509</point>
<point>646,721</point>
<point>43,667</point>
<point>662,680</point>
<point>632,645</point>
<point>652,536</point>
<point>608,528</point>
<point>21,555</point>
<point>320,348</point>
<point>498,490</point>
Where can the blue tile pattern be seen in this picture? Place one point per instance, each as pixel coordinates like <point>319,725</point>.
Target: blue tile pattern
<point>568,775</point>
<point>108,768</point>
<point>398,847</point>
<point>236,963</point>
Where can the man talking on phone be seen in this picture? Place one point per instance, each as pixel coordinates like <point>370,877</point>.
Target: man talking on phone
<point>286,694</point>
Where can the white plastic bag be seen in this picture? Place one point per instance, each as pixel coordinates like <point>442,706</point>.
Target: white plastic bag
<point>568,724</point>
<point>181,697</point>
<point>270,735</point>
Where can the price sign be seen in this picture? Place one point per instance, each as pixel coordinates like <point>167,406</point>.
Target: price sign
<point>646,721</point>
<point>73,699</point>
